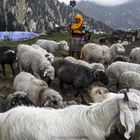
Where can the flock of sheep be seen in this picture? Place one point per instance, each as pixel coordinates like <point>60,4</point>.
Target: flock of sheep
<point>38,111</point>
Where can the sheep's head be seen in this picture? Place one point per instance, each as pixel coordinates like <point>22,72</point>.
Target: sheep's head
<point>120,49</point>
<point>52,99</point>
<point>11,55</point>
<point>100,76</point>
<point>50,57</point>
<point>49,72</point>
<point>130,113</point>
<point>18,98</point>
<point>63,45</point>
<point>98,93</point>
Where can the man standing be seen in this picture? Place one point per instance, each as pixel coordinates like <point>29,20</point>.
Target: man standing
<point>78,36</point>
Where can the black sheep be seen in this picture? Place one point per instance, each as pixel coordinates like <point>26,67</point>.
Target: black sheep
<point>80,77</point>
<point>7,56</point>
<point>17,99</point>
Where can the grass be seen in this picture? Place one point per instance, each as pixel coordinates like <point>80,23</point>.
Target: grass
<point>53,36</point>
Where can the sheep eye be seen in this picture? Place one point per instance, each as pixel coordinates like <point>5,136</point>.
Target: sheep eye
<point>54,102</point>
<point>49,71</point>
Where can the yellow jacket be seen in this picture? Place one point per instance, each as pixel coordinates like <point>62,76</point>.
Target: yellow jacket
<point>76,26</point>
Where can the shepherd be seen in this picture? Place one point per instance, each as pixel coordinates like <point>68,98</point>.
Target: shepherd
<point>78,36</point>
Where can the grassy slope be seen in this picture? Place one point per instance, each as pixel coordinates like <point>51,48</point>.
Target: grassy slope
<point>58,37</point>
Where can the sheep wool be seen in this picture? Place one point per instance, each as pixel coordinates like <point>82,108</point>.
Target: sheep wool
<point>87,122</point>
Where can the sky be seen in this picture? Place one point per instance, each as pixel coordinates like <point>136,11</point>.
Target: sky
<point>103,2</point>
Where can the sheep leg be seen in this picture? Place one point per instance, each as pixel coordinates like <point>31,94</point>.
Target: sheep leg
<point>12,68</point>
<point>3,70</point>
<point>49,82</point>
<point>61,86</point>
<point>20,65</point>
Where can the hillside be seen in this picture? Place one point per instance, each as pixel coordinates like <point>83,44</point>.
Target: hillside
<point>126,16</point>
<point>37,16</point>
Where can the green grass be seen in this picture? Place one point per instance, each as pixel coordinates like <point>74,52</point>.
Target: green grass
<point>14,44</point>
<point>53,36</point>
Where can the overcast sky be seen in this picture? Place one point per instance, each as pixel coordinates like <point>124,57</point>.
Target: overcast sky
<point>104,2</point>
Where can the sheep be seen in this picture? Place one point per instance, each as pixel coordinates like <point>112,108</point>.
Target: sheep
<point>134,55</point>
<point>98,93</point>
<point>31,60</point>
<point>38,91</point>
<point>18,98</point>
<point>117,68</point>
<point>48,56</point>
<point>87,122</point>
<point>7,56</point>
<point>92,52</point>
<point>136,135</point>
<point>52,46</point>
<point>118,130</point>
<point>93,66</point>
<point>129,79</point>
<point>79,76</point>
<point>134,91</point>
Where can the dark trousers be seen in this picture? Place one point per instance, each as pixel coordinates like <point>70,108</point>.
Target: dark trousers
<point>76,46</point>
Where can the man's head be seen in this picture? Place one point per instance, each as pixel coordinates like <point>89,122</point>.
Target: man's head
<point>78,19</point>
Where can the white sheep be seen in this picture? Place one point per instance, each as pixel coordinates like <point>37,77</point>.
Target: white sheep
<point>52,46</point>
<point>33,61</point>
<point>92,52</point>
<point>38,91</point>
<point>134,56</point>
<point>136,134</point>
<point>98,93</point>
<point>93,66</point>
<point>72,123</point>
<point>117,68</point>
<point>48,56</point>
<point>129,79</point>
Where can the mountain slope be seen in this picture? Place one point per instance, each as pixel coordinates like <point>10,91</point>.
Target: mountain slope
<point>36,15</point>
<point>120,17</point>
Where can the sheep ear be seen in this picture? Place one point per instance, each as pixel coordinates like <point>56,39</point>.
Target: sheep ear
<point>46,55</point>
<point>126,119</point>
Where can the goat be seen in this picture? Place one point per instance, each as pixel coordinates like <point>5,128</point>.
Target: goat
<point>75,122</point>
